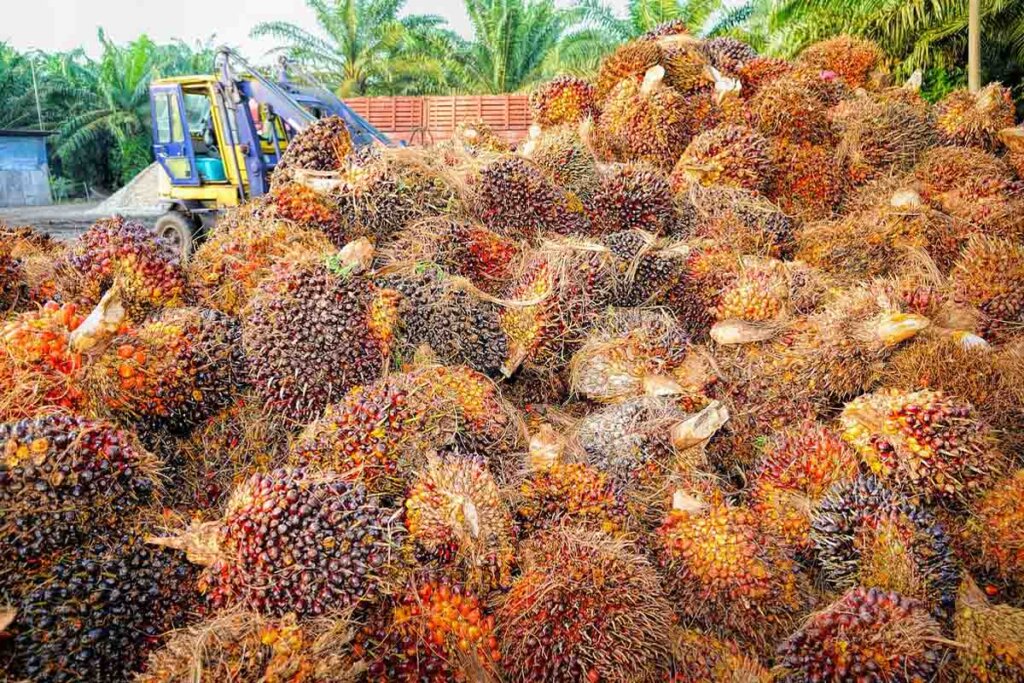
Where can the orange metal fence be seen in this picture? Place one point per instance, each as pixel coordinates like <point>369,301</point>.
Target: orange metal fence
<point>420,120</point>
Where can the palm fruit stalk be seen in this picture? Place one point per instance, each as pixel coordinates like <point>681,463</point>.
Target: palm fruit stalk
<point>856,62</point>
<point>321,147</point>
<point>991,638</point>
<point>723,572</point>
<point>228,266</point>
<point>246,646</point>
<point>975,119</point>
<point>563,100</point>
<point>867,634</point>
<point>116,250</point>
<point>743,219</point>
<point>797,468</point>
<point>294,541</point>
<point>436,630</point>
<point>701,657</point>
<point>989,276</point>
<point>993,530</point>
<point>318,329</point>
<point>455,515</point>
<point>563,153</point>
<point>808,182</point>
<point>866,534</point>
<point>586,607</point>
<point>64,478</point>
<point>923,442</point>
<point>380,433</point>
<point>97,612</point>
<point>728,55</point>
<point>633,197</point>
<point>734,156</point>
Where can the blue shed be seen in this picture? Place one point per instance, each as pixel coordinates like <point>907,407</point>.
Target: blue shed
<point>24,174</point>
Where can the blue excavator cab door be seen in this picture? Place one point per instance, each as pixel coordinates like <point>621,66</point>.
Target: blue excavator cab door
<point>172,142</point>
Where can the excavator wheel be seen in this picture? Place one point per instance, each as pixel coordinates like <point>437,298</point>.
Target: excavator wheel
<point>179,230</point>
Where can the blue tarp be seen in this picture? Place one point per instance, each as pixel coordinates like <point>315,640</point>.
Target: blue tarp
<point>22,153</point>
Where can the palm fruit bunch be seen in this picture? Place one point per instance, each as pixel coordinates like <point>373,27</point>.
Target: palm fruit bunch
<point>569,493</point>
<point>700,657</point>
<point>786,108</point>
<point>973,185</point>
<point>170,372</point>
<point>247,646</point>
<point>728,55</point>
<point>477,137</point>
<point>293,540</point>
<point>116,250</point>
<point>991,637</point>
<point>923,441</point>
<point>742,219</point>
<point>318,329</point>
<point>797,468</point>
<point>989,276</point>
<point>758,293</point>
<point>975,119</point>
<point>310,210</point>
<point>14,286</point>
<point>30,258</point>
<point>1013,140</point>
<point>993,531</point>
<point>38,367</point>
<point>633,197</point>
<point>455,515</point>
<point>458,326</point>
<point>808,181</point>
<point>867,634</point>
<point>706,273</point>
<point>686,66</point>
<point>734,156</point>
<point>435,630</point>
<point>564,155</point>
<point>647,267</point>
<point>95,613</point>
<point>724,572</point>
<point>240,251</point>
<point>881,136</point>
<point>322,146</point>
<point>866,534</point>
<point>63,478</point>
<point>380,432</point>
<point>759,72</point>
<point>515,199</point>
<point>562,100</point>
<point>585,607</point>
<point>856,62</point>
<point>629,61</point>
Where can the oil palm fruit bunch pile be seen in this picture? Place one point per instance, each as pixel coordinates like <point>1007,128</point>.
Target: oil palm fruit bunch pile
<point>565,99</point>
<point>324,146</point>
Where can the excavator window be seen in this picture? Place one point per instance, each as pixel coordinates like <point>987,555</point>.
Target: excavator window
<point>168,119</point>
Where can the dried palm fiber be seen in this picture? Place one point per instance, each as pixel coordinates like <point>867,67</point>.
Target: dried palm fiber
<point>809,180</point>
<point>973,185</point>
<point>630,61</point>
<point>975,119</point>
<point>647,267</point>
<point>458,521</point>
<point>515,199</point>
<point>868,633</point>
<point>318,329</point>
<point>866,534</point>
<point>434,630</point>
<point>991,638</point>
<point>242,645</point>
<point>477,138</point>
<point>881,136</point>
<point>381,433</point>
<point>744,219</point>
<point>723,573</point>
<point>228,266</point>
<point>586,607</point>
<point>629,352</point>
<point>787,108</point>
<point>648,121</point>
<point>449,316</point>
<point>294,541</point>
<point>632,196</point>
<point>734,156</point>
<point>115,249</point>
<point>702,657</point>
<point>797,468</point>
<point>561,287</point>
<point>924,443</point>
<point>759,72</point>
<point>563,100</point>
<point>321,147</point>
<point>728,55</point>
<point>563,153</point>
<point>98,611</point>
<point>38,368</point>
<point>858,63</point>
<point>993,531</point>
<point>989,276</point>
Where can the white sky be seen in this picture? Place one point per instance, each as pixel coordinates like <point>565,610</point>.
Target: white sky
<point>53,25</point>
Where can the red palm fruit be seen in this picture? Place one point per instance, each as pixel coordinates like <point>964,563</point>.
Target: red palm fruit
<point>569,493</point>
<point>975,119</point>
<point>562,100</point>
<point>991,638</point>
<point>565,155</point>
<point>866,632</point>
<point>311,210</point>
<point>858,63</point>
<point>735,156</point>
<point>633,197</point>
<point>700,657</point>
<point>759,72</point>
<point>808,182</point>
<point>994,530</point>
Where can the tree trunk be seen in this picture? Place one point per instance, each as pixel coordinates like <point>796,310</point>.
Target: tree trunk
<point>974,45</point>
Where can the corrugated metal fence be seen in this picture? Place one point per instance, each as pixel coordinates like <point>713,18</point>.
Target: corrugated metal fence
<point>423,120</point>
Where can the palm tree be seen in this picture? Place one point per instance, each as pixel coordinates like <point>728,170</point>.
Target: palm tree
<point>365,46</point>
<point>17,96</point>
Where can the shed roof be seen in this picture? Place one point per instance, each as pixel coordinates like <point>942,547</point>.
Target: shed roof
<point>15,133</point>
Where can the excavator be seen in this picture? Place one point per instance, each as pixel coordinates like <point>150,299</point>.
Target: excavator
<point>217,138</point>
